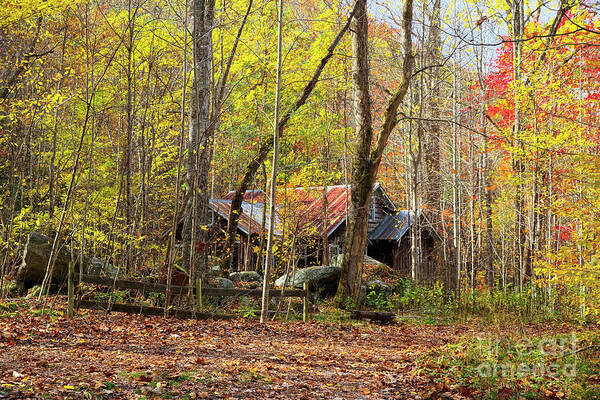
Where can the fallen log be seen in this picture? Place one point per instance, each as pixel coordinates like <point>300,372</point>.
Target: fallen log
<point>373,315</point>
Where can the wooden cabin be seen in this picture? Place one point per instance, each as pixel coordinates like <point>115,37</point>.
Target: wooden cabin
<point>391,240</point>
<point>307,214</point>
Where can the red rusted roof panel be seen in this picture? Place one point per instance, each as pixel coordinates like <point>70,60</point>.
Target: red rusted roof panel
<point>250,221</point>
<point>310,208</point>
<point>300,209</point>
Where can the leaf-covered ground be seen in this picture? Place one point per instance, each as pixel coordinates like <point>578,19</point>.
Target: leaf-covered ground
<point>123,356</point>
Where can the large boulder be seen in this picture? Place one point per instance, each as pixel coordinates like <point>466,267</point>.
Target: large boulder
<point>379,287</point>
<point>323,280</point>
<point>35,261</point>
<point>245,276</point>
<point>337,260</point>
<point>224,283</point>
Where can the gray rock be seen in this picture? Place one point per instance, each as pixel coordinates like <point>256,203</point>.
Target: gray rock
<point>245,276</point>
<point>35,260</point>
<point>224,283</point>
<point>378,286</point>
<point>321,279</point>
<point>337,260</point>
<point>33,292</point>
<point>371,261</point>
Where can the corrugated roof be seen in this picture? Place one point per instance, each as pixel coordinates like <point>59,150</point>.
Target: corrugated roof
<point>302,208</point>
<point>307,206</point>
<point>393,227</point>
<point>251,217</point>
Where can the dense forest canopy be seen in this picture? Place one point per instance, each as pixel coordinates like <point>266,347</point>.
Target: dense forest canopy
<point>497,139</point>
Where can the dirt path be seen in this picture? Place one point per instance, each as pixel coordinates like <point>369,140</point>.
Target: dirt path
<point>124,356</point>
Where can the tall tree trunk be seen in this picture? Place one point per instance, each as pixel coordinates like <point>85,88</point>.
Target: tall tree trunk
<point>456,167</point>
<point>433,191</point>
<point>362,180</point>
<point>367,159</point>
<point>203,122</point>
<point>127,149</point>
<point>170,258</point>
<point>264,314</point>
<point>432,142</point>
<point>198,164</point>
<point>415,158</point>
<point>488,258</point>
<point>90,63</point>
<point>489,239</point>
<point>472,200</point>
<point>518,162</point>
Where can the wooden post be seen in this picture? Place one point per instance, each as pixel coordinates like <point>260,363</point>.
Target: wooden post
<point>71,290</point>
<point>199,294</point>
<point>305,302</point>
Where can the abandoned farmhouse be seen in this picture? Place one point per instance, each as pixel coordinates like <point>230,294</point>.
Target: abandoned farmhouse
<point>313,220</point>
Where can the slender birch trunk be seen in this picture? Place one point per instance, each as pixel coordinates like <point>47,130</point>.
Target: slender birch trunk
<point>178,211</point>
<point>264,314</point>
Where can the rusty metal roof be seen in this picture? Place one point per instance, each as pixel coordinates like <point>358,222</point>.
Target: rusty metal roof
<point>304,208</point>
<point>301,210</point>
<point>250,221</point>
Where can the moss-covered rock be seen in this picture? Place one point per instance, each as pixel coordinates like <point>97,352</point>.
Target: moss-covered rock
<point>245,276</point>
<point>323,280</point>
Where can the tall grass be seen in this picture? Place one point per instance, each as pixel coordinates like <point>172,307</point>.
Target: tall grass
<point>494,305</point>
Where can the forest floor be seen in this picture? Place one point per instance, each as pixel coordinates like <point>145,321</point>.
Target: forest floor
<point>118,356</point>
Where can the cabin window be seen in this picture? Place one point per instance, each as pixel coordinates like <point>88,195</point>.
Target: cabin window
<point>334,250</point>
<point>372,211</point>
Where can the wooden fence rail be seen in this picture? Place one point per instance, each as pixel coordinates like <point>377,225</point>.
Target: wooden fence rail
<point>148,310</point>
<point>206,291</point>
<point>199,290</point>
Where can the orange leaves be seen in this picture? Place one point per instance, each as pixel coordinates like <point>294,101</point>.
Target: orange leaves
<point>208,359</point>
<point>143,378</point>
